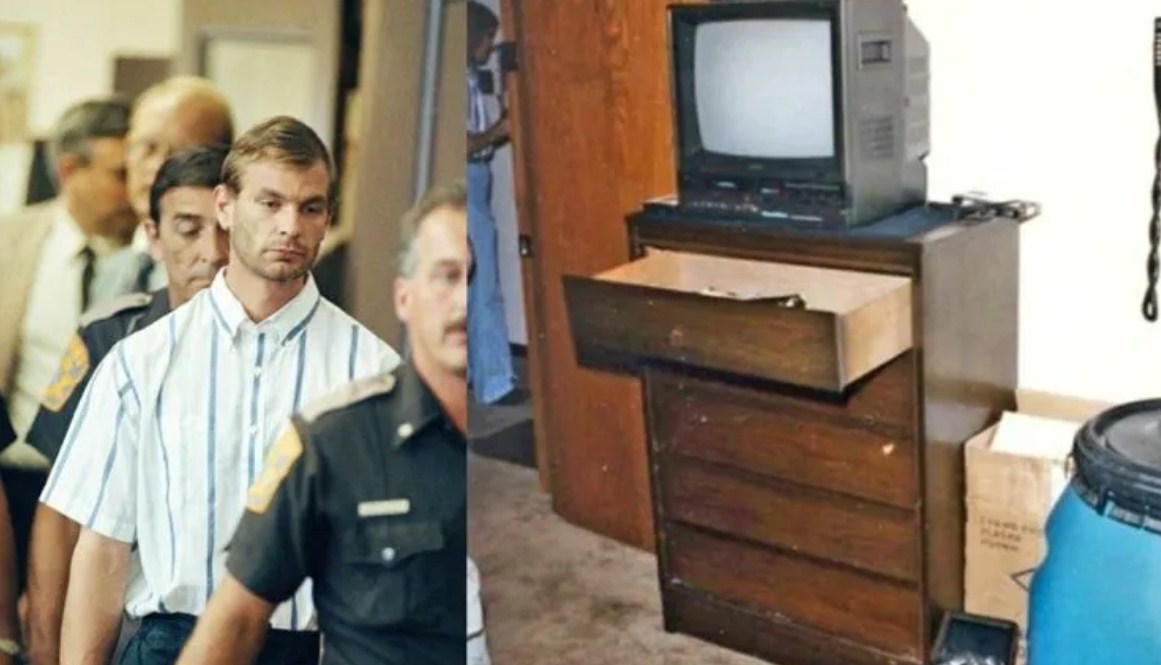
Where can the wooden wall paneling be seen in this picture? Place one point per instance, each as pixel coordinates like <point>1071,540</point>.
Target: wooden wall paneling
<point>512,26</point>
<point>595,139</point>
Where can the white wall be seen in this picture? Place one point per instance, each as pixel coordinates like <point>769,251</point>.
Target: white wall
<point>1053,102</point>
<point>504,210</point>
<point>77,41</point>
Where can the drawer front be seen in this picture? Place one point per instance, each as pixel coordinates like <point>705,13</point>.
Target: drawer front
<point>871,537</point>
<point>663,307</point>
<point>867,609</point>
<point>864,448</point>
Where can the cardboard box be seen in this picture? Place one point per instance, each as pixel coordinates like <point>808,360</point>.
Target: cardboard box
<point>1015,472</point>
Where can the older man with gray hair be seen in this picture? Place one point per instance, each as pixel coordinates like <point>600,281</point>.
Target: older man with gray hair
<point>59,258</point>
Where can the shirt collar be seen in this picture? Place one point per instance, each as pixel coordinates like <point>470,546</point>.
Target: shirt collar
<point>285,324</point>
<point>72,239</point>
<point>66,232</point>
<point>417,407</point>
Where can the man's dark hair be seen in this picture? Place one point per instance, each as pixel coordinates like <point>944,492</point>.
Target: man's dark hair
<point>482,22</point>
<point>198,166</point>
<point>85,122</point>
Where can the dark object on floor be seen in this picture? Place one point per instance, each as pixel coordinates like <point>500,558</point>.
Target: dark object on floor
<point>515,444</point>
<point>515,396</point>
<point>969,639</point>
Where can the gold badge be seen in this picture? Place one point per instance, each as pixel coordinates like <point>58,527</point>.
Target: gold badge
<point>74,367</point>
<point>281,457</point>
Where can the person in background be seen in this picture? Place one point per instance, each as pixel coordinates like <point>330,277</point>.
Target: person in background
<point>365,493</point>
<point>179,415</point>
<point>177,113</point>
<point>491,373</point>
<point>59,259</point>
<point>192,247</point>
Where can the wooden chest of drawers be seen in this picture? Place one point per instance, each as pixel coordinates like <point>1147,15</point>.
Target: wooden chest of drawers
<point>806,463</point>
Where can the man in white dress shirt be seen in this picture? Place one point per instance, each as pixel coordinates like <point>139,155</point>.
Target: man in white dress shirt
<point>58,258</point>
<point>174,425</point>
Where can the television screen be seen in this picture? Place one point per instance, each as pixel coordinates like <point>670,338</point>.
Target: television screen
<point>764,88</point>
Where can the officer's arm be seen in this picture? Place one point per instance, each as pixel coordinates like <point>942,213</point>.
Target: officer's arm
<point>53,535</point>
<point>9,624</point>
<point>268,560</point>
<point>92,617</point>
<point>231,630</point>
<point>54,538</point>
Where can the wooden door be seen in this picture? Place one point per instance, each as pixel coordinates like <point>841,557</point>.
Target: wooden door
<point>592,137</point>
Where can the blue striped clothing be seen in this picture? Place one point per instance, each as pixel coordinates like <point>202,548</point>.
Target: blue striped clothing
<point>175,424</point>
<point>477,112</point>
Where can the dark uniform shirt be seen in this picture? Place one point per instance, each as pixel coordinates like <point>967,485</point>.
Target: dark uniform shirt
<point>366,495</point>
<point>100,330</point>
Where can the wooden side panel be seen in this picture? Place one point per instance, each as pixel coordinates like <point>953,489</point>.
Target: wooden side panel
<point>969,317</point>
<point>596,135</point>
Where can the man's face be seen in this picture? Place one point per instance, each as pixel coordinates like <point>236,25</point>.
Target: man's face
<point>95,188</point>
<point>433,301</point>
<point>188,240</point>
<point>483,50</point>
<point>279,219</point>
<point>160,127</point>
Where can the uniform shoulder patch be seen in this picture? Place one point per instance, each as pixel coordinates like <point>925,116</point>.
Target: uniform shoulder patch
<point>74,367</point>
<point>349,394</point>
<point>279,459</point>
<point>115,306</point>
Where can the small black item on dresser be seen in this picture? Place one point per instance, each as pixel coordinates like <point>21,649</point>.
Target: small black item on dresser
<point>970,639</point>
<point>968,207</point>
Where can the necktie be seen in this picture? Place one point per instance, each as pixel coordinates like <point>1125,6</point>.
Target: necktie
<point>89,259</point>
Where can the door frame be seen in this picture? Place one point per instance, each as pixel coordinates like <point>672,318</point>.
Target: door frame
<point>531,273</point>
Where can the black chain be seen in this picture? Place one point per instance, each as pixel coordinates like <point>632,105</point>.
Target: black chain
<point>1153,264</point>
<point>1152,267</point>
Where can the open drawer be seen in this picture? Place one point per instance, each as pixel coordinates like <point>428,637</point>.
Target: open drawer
<point>723,314</point>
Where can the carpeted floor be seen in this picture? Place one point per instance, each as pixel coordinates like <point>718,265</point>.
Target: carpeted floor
<point>555,594</point>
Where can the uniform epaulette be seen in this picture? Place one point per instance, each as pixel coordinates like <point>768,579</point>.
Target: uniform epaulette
<point>349,394</point>
<point>115,306</point>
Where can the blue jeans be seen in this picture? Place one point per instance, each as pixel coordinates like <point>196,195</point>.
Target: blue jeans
<point>489,355</point>
<point>161,637</point>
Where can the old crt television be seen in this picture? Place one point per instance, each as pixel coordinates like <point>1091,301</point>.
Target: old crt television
<point>805,111</point>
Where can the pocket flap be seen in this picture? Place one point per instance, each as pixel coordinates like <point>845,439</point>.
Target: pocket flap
<point>390,544</point>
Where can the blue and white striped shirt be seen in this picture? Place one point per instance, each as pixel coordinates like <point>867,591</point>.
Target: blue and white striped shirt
<point>174,427</point>
<point>477,112</point>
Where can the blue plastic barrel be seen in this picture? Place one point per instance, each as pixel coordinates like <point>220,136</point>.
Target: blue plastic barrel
<point>1096,598</point>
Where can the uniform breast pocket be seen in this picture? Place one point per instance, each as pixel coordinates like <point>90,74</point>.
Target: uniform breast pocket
<point>390,569</point>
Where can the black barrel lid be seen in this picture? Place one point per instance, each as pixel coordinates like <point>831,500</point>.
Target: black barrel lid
<point>1118,458</point>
